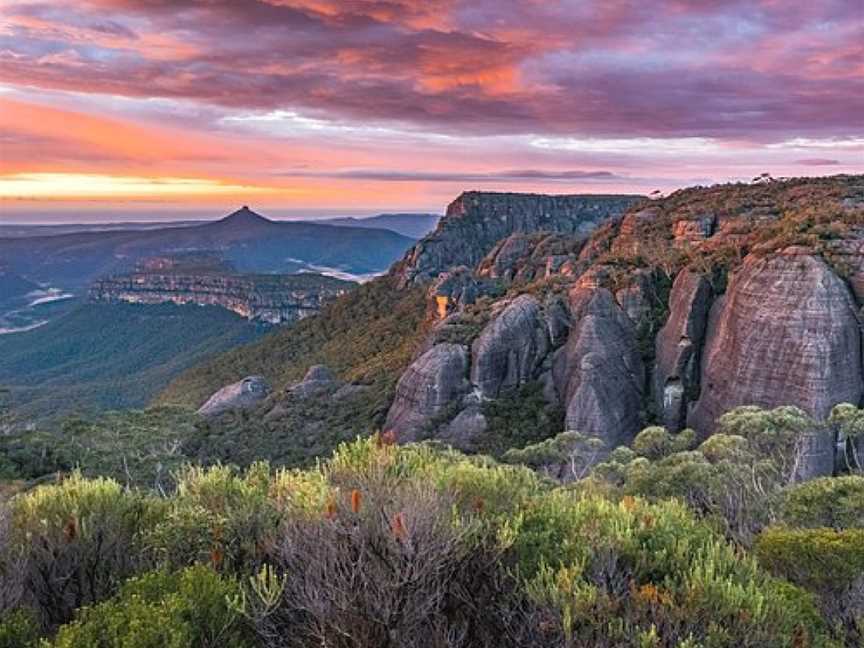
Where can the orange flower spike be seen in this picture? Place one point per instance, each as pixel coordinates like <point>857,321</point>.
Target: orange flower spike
<point>216,557</point>
<point>388,438</point>
<point>398,527</point>
<point>356,501</point>
<point>479,504</point>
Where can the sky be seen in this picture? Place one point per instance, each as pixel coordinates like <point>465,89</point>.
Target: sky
<point>113,109</point>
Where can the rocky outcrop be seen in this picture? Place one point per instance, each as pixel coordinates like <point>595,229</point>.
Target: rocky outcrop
<point>240,395</point>
<point>692,231</point>
<point>678,347</point>
<point>318,380</point>
<point>477,221</point>
<point>510,349</point>
<point>504,260</point>
<point>599,371</point>
<point>635,298</point>
<point>434,381</point>
<point>465,429</point>
<point>454,289</point>
<point>786,333</point>
<point>267,298</point>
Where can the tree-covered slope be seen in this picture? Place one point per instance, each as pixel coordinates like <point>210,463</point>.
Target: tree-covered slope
<point>111,356</point>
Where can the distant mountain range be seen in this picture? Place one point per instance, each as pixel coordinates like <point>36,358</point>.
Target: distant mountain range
<point>251,242</point>
<point>414,225</point>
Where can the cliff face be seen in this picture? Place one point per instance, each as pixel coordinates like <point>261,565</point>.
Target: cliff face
<point>684,308</point>
<point>476,221</point>
<point>786,333</point>
<point>267,298</point>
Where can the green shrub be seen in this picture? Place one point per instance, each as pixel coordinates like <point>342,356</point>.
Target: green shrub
<point>656,442</point>
<point>832,502</point>
<point>216,516</point>
<point>79,540</point>
<point>614,574</point>
<point>827,562</point>
<point>163,610</point>
<point>19,629</point>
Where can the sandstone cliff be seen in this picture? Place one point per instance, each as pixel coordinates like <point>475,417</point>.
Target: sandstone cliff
<point>267,298</point>
<point>679,311</point>
<point>786,333</point>
<point>476,221</point>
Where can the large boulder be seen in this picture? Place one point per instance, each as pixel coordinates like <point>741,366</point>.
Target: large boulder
<point>511,347</point>
<point>318,380</point>
<point>240,395</point>
<point>786,333</point>
<point>678,347</point>
<point>434,381</point>
<point>599,371</point>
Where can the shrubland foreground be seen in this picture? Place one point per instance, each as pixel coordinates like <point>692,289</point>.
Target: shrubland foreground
<point>419,545</point>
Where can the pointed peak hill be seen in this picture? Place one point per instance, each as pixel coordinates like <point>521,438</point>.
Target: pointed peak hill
<point>244,218</point>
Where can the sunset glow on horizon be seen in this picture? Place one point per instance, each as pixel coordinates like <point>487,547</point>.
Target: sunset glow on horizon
<point>320,104</point>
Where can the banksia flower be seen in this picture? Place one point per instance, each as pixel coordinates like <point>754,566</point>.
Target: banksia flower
<point>216,557</point>
<point>397,525</point>
<point>388,438</point>
<point>356,501</point>
<point>70,530</point>
<point>479,504</point>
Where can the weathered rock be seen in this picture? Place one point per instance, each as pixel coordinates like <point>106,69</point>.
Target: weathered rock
<point>691,231</point>
<point>787,333</point>
<point>678,347</point>
<point>848,253</point>
<point>436,380</point>
<point>631,240</point>
<point>466,428</point>
<point>476,221</point>
<point>557,315</point>
<point>599,372</point>
<point>503,261</point>
<point>634,298</point>
<point>454,289</point>
<point>240,395</point>
<point>318,379</point>
<point>510,348</point>
<point>267,298</point>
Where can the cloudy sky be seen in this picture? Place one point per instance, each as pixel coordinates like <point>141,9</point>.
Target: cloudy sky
<point>149,106</point>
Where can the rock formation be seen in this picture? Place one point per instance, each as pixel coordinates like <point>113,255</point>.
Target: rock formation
<point>510,349</point>
<point>599,372</point>
<point>434,381</point>
<point>786,333</point>
<point>477,221</point>
<point>318,380</point>
<point>240,395</point>
<point>678,348</point>
<point>267,298</point>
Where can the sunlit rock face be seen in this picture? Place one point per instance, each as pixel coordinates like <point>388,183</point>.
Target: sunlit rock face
<point>240,395</point>
<point>267,298</point>
<point>787,332</point>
